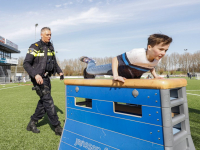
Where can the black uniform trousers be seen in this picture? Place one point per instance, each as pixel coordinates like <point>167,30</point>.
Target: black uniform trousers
<point>46,105</point>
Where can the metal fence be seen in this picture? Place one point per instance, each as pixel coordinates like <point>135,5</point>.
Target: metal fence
<point>13,79</point>
<point>5,79</point>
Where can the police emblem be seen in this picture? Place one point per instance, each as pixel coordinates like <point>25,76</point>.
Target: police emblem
<point>36,44</point>
<point>31,50</point>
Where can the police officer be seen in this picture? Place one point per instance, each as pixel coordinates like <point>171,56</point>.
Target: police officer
<point>40,63</point>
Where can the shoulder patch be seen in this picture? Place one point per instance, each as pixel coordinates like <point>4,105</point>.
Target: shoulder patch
<point>36,44</point>
<point>31,50</point>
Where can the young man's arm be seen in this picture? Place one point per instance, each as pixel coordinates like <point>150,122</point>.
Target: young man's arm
<point>115,70</point>
<point>153,72</point>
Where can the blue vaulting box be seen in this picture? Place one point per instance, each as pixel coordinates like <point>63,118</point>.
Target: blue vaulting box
<point>106,115</point>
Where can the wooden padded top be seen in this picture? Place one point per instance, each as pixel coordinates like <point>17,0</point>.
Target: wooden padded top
<point>130,83</point>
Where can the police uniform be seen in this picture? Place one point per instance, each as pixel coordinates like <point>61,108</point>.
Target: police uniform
<point>40,59</point>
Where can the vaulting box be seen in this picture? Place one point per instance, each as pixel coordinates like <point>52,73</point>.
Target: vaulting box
<point>139,114</point>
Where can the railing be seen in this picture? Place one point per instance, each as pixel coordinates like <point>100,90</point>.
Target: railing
<point>11,58</point>
<point>8,60</point>
<point>13,79</point>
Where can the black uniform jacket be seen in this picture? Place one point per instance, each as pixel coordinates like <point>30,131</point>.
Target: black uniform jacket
<point>36,59</point>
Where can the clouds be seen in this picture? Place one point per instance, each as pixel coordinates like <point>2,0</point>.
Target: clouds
<point>58,6</point>
<point>88,23</point>
<point>58,20</point>
<point>68,3</point>
<point>138,11</point>
<point>93,15</point>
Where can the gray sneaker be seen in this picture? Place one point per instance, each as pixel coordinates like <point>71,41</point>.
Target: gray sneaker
<point>85,59</point>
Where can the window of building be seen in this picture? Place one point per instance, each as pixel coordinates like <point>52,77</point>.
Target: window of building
<point>1,54</point>
<point>6,55</point>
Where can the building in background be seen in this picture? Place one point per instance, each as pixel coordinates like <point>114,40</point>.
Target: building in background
<point>6,61</point>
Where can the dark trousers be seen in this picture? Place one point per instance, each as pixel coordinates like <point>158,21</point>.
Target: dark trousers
<point>46,105</point>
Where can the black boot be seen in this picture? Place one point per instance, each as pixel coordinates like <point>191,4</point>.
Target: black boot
<point>58,130</point>
<point>32,127</point>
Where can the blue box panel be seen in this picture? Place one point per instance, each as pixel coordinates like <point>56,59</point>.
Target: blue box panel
<point>82,136</point>
<point>146,96</point>
<point>150,115</point>
<point>136,129</point>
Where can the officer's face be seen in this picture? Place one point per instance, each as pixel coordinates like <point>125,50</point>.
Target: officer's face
<point>46,36</point>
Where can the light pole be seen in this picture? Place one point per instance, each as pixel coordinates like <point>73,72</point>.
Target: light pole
<point>35,30</point>
<point>186,61</point>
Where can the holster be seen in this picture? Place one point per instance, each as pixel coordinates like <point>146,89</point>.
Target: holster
<point>41,90</point>
<point>38,90</point>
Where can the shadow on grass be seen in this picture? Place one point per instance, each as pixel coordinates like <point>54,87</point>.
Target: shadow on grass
<point>194,115</point>
<point>194,125</point>
<point>45,119</point>
<point>192,110</point>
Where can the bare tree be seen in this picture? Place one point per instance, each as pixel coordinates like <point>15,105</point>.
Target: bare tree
<point>76,67</point>
<point>196,61</point>
<point>174,58</point>
<point>170,63</point>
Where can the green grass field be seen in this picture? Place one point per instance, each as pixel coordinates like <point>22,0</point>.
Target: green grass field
<point>18,103</point>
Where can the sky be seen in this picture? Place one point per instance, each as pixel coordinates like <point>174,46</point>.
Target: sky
<point>101,28</point>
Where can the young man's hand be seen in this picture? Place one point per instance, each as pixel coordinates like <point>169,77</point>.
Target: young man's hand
<point>119,78</point>
<point>159,77</point>
<point>153,72</point>
<point>116,77</point>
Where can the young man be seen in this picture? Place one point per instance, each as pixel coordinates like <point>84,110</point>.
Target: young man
<point>134,63</point>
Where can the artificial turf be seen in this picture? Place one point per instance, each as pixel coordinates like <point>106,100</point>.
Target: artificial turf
<point>18,103</point>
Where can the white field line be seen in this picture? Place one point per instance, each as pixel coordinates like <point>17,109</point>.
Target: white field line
<point>192,90</point>
<point>193,94</point>
<point>16,86</point>
<point>11,87</point>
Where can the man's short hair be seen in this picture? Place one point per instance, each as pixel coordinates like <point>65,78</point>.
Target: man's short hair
<point>45,28</point>
<point>156,39</point>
